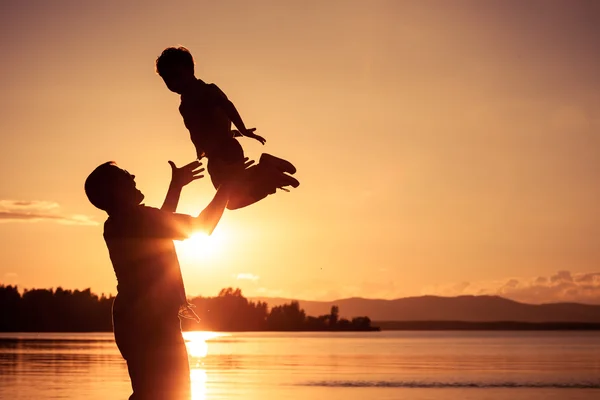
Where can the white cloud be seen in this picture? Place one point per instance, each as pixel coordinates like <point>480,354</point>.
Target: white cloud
<point>37,211</point>
<point>249,277</point>
<point>563,286</point>
<point>28,205</point>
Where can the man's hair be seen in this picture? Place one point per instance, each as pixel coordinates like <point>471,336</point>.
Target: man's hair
<point>100,184</point>
<point>174,56</point>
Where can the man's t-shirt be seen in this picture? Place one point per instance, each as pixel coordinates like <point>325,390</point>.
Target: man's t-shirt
<point>140,244</point>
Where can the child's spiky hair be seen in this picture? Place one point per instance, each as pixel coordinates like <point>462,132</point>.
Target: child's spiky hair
<point>174,56</point>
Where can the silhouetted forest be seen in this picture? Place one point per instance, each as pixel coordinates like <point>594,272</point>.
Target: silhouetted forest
<point>59,310</point>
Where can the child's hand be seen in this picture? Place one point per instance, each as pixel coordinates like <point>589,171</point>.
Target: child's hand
<point>186,174</point>
<point>249,133</point>
<point>261,139</point>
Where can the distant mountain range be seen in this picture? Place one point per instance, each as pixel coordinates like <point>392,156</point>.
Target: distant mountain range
<point>461,308</point>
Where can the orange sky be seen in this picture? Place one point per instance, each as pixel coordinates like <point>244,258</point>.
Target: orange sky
<point>437,143</point>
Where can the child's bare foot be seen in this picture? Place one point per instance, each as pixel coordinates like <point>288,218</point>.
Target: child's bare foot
<point>286,180</point>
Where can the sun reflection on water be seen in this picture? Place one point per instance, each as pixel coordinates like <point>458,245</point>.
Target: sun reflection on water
<point>197,347</point>
<point>198,378</point>
<point>196,342</point>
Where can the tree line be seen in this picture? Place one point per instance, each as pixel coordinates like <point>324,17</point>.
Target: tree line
<point>59,310</point>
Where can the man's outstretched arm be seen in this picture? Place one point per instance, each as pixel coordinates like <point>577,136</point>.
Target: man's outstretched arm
<point>209,217</point>
<point>168,224</point>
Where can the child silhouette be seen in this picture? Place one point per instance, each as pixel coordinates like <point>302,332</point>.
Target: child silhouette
<point>208,114</point>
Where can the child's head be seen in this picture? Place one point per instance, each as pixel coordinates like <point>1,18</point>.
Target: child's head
<point>111,188</point>
<point>176,66</point>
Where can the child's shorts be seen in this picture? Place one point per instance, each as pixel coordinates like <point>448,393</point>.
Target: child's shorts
<point>229,152</point>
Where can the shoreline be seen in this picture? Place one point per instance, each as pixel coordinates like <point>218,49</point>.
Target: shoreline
<point>485,326</point>
<point>424,326</point>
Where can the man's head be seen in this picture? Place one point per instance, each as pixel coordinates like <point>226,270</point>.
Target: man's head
<point>111,188</point>
<point>176,66</point>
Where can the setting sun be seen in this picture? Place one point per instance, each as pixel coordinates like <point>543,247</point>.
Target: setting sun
<point>200,246</point>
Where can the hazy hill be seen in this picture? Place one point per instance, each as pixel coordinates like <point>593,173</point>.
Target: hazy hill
<point>461,308</point>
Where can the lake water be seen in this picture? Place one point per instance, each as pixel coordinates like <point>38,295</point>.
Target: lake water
<point>314,366</point>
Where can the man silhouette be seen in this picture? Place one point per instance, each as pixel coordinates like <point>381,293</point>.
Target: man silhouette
<point>151,295</point>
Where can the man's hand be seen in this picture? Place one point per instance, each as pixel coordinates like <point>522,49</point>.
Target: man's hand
<point>186,174</point>
<point>249,133</point>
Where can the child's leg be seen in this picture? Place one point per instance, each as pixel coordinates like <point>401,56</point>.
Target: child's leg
<point>261,180</point>
<point>251,190</point>
<point>229,152</point>
<point>279,163</point>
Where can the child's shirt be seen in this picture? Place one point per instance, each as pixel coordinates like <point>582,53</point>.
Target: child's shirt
<point>207,122</point>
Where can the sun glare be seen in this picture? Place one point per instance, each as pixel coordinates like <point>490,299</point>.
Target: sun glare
<point>197,346</point>
<point>196,342</point>
<point>200,246</point>
<point>198,378</point>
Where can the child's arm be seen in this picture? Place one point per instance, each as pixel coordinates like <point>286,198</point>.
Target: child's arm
<point>235,117</point>
<point>179,178</point>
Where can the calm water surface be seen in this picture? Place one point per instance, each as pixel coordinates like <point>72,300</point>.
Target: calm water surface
<point>314,366</point>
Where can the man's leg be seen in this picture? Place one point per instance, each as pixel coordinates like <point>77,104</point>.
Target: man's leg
<point>161,372</point>
<point>156,356</point>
